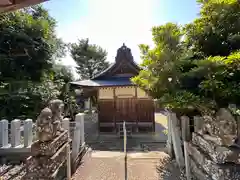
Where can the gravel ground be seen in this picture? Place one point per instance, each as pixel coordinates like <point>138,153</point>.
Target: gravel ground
<point>168,170</point>
<point>12,172</point>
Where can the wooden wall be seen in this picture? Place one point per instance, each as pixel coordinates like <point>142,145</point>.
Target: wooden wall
<point>128,103</point>
<point>122,92</point>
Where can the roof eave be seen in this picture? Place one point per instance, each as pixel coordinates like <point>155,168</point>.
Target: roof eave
<point>8,6</point>
<point>111,67</point>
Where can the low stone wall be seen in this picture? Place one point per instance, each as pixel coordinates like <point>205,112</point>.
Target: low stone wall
<point>90,126</point>
<point>212,151</point>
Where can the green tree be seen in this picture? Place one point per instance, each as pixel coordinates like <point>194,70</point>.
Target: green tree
<point>62,75</point>
<point>216,31</point>
<point>63,72</point>
<point>163,67</point>
<point>28,45</point>
<point>90,58</point>
<point>161,59</point>
<point>197,73</point>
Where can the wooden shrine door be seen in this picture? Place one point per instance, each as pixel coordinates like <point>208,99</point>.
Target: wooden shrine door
<point>126,110</point>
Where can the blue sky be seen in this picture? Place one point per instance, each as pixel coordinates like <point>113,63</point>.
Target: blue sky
<point>109,23</point>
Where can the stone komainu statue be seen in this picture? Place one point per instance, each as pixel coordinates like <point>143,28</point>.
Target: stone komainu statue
<point>57,107</point>
<point>49,121</point>
<point>45,125</point>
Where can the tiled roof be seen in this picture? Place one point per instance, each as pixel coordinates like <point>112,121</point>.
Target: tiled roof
<point>107,78</point>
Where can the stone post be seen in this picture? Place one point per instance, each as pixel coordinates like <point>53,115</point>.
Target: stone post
<point>87,104</point>
<point>68,154</point>
<point>197,123</point>
<point>169,141</point>
<point>15,133</point>
<point>77,136</point>
<point>82,129</point>
<point>176,140</point>
<point>66,124</point>
<point>186,137</point>
<point>4,133</point>
<point>28,133</point>
<point>238,126</point>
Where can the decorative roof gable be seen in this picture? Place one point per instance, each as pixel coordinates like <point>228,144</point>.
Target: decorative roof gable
<point>124,54</point>
<point>124,64</point>
<point>118,74</point>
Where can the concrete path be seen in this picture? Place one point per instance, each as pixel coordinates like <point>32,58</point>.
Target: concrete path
<point>105,165</point>
<point>106,160</point>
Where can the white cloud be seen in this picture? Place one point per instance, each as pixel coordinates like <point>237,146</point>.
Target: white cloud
<point>112,22</point>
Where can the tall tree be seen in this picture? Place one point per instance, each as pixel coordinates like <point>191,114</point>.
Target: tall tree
<point>200,73</point>
<point>163,66</point>
<point>90,58</point>
<point>63,72</point>
<point>28,45</point>
<point>216,31</point>
<point>160,63</point>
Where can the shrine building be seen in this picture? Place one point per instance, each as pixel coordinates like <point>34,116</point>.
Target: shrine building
<point>118,99</point>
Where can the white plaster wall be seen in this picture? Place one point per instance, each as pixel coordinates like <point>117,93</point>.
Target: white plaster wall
<point>105,93</point>
<point>121,92</point>
<point>125,92</point>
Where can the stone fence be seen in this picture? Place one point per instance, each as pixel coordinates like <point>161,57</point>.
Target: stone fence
<point>212,150</point>
<point>14,134</point>
<point>49,148</point>
<point>54,152</point>
<point>17,136</point>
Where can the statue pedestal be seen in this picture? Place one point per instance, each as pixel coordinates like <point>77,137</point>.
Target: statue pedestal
<point>49,148</point>
<point>47,158</point>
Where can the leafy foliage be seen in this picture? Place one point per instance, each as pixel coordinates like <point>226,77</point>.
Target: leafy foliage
<point>90,58</point>
<point>28,100</point>
<point>195,68</point>
<point>28,45</point>
<point>216,31</point>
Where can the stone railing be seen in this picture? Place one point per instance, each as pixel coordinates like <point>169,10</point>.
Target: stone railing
<point>212,151</point>
<point>52,151</point>
<point>48,145</point>
<point>16,136</point>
